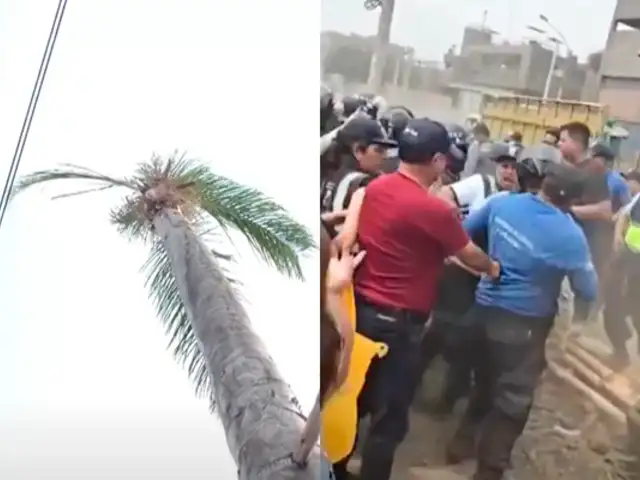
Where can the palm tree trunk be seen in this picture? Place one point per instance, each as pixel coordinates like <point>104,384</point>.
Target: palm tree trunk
<point>256,406</point>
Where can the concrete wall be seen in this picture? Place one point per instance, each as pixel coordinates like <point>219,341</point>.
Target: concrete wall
<point>628,12</point>
<point>622,96</point>
<point>529,77</point>
<point>620,58</point>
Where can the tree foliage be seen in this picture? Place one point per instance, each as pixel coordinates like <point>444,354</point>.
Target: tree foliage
<point>215,206</point>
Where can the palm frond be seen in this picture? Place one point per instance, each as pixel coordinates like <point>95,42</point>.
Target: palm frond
<point>164,294</point>
<point>69,172</point>
<point>213,204</point>
<point>130,221</point>
<point>271,232</point>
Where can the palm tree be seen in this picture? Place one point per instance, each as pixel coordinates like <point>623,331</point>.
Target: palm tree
<point>176,206</point>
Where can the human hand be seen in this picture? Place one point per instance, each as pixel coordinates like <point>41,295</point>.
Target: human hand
<point>617,244</point>
<point>494,270</point>
<point>341,268</point>
<point>334,218</point>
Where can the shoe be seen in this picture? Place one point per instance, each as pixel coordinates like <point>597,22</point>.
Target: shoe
<point>499,434</point>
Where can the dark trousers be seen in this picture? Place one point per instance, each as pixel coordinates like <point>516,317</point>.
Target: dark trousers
<point>389,385</point>
<point>444,338</point>
<point>508,354</point>
<point>621,300</point>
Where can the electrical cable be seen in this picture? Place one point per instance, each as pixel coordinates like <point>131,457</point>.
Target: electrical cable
<point>33,102</point>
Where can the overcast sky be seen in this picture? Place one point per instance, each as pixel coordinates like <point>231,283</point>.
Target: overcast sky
<point>432,26</point>
<point>88,390</point>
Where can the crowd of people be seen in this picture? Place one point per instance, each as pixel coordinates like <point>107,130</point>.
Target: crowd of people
<point>464,247</point>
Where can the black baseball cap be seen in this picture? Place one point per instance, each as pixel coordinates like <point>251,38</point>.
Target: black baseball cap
<point>603,151</point>
<point>366,130</point>
<point>566,182</point>
<point>422,139</point>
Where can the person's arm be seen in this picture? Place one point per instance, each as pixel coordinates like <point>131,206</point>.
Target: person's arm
<point>624,193</point>
<point>327,138</point>
<point>456,243</point>
<point>471,163</point>
<point>478,220</point>
<point>600,207</point>
<point>346,239</point>
<point>594,211</point>
<point>583,277</point>
<point>463,192</point>
<point>619,231</point>
<point>622,223</point>
<point>336,306</point>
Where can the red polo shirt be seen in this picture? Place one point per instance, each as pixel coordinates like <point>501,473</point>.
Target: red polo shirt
<point>407,233</point>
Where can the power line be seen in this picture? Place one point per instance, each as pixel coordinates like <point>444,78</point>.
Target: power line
<point>33,103</point>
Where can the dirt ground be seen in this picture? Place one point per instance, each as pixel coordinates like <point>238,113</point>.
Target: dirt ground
<point>565,439</point>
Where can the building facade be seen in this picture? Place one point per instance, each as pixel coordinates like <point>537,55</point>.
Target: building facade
<point>521,67</point>
<point>619,77</point>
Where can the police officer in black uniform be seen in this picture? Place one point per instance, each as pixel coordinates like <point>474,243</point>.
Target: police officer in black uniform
<point>358,152</point>
<point>394,121</point>
<point>328,118</point>
<point>460,140</point>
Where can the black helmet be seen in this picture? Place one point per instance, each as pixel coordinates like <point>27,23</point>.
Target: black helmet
<point>351,103</point>
<point>533,165</point>
<point>395,120</point>
<point>459,137</point>
<point>377,105</point>
<point>326,109</point>
<point>370,104</point>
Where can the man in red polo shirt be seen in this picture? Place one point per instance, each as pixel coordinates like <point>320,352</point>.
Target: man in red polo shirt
<point>407,234</point>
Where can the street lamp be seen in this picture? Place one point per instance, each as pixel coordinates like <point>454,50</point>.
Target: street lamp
<point>547,22</point>
<point>557,31</point>
<point>552,67</point>
<point>554,60</point>
<point>536,29</point>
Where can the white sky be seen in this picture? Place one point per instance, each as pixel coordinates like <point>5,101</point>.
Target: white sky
<point>88,390</point>
<point>432,26</point>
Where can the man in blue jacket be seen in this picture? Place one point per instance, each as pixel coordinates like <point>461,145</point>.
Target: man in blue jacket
<point>512,316</point>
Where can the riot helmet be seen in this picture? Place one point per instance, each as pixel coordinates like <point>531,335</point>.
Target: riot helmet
<point>327,113</point>
<point>395,120</point>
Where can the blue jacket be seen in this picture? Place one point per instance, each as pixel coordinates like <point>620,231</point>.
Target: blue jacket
<point>537,245</point>
<point>619,190</point>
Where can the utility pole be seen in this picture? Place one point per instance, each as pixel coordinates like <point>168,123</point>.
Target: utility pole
<point>383,38</point>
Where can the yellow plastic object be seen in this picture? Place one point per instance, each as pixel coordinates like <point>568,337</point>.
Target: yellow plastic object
<point>340,412</point>
<point>532,116</point>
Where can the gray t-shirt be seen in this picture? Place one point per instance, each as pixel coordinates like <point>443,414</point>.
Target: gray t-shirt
<point>479,160</point>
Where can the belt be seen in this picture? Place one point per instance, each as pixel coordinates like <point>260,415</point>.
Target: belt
<point>400,314</point>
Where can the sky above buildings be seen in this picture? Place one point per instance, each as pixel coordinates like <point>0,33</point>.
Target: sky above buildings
<point>432,26</point>
<point>88,390</point>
